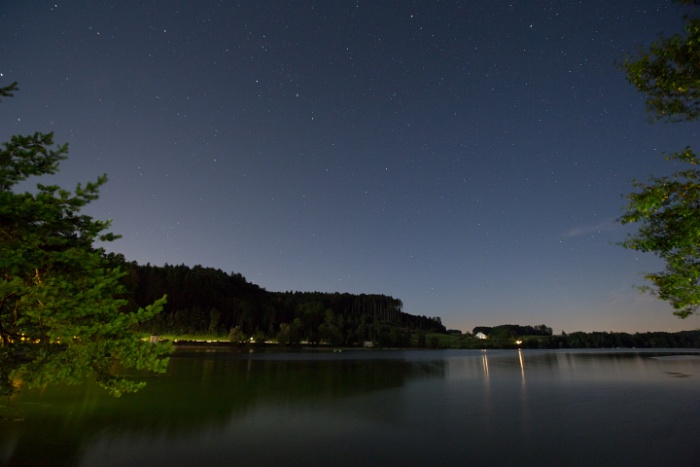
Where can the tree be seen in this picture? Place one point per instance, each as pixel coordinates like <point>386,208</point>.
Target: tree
<point>668,208</point>
<point>236,336</point>
<point>669,73</point>
<point>62,315</point>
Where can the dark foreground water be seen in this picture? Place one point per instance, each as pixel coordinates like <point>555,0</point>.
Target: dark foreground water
<point>380,408</point>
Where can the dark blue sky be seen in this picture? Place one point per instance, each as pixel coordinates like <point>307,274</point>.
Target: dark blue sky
<point>469,158</point>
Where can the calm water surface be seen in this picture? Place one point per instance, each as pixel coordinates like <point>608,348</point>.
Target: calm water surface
<point>374,408</point>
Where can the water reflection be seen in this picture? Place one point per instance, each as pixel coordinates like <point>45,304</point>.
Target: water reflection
<point>485,361</point>
<point>522,364</point>
<point>372,407</point>
<point>202,391</point>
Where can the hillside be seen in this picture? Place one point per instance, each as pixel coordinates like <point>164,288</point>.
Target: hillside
<point>209,301</point>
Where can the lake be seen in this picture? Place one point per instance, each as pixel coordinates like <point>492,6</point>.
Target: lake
<point>374,407</point>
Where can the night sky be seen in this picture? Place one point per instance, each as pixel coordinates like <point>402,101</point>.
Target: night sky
<point>467,157</point>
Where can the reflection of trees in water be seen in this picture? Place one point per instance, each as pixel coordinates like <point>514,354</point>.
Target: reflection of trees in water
<point>318,379</point>
<point>594,364</point>
<point>205,391</point>
<point>201,390</point>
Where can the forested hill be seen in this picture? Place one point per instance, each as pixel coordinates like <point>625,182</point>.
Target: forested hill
<point>209,301</point>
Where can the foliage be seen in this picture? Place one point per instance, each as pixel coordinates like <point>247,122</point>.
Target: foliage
<point>513,330</point>
<point>236,336</point>
<point>8,91</point>
<point>669,73</point>
<point>667,208</point>
<point>587,340</point>
<point>597,340</point>
<point>61,318</point>
<point>209,301</point>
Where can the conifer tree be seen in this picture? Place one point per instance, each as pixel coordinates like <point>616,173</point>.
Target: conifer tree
<point>61,316</point>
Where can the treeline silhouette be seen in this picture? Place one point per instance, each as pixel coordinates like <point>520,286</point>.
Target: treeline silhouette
<point>595,340</point>
<point>209,301</point>
<point>505,331</point>
<point>541,337</point>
